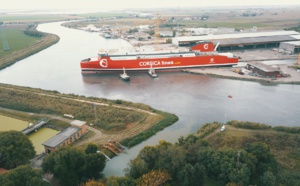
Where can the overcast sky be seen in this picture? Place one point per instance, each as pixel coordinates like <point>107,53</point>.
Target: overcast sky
<point>123,4</point>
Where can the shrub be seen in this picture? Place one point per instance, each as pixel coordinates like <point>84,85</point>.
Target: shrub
<point>248,125</point>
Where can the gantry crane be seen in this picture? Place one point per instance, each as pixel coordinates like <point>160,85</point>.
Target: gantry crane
<point>158,20</point>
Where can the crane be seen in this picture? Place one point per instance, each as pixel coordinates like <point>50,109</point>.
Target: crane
<point>158,20</point>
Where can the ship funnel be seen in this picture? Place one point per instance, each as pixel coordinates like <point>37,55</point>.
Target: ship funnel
<point>216,46</point>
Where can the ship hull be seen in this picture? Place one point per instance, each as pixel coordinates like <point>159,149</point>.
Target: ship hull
<point>105,65</point>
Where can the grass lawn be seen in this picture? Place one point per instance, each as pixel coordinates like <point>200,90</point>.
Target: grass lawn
<point>16,40</point>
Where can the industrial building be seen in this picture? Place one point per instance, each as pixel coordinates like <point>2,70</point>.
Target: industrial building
<point>241,41</point>
<point>291,47</point>
<point>67,136</point>
<point>260,69</point>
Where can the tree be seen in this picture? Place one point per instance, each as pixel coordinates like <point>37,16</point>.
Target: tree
<point>94,183</point>
<point>268,179</point>
<point>119,181</point>
<point>15,149</point>
<point>154,178</point>
<point>70,162</point>
<point>91,148</point>
<point>93,165</point>
<point>65,164</point>
<point>240,175</point>
<point>192,175</point>
<point>137,167</point>
<point>23,175</point>
<point>265,160</point>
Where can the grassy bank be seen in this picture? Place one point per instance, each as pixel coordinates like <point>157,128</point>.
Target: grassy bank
<point>22,45</point>
<point>168,120</point>
<point>122,118</point>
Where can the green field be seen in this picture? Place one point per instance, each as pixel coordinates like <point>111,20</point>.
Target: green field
<point>16,40</point>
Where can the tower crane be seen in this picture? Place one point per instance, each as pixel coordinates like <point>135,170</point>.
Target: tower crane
<point>158,20</point>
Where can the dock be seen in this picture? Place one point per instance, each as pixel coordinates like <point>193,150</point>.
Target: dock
<point>35,126</point>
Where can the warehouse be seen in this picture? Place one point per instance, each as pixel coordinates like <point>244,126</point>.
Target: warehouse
<point>241,41</point>
<point>66,137</point>
<point>292,47</point>
<point>262,70</point>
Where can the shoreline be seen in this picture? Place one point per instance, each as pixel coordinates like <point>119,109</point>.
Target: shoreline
<point>228,73</point>
<point>258,56</point>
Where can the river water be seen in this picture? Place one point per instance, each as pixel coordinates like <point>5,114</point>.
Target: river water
<point>195,99</point>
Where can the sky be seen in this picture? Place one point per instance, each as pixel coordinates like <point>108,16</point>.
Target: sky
<point>107,5</point>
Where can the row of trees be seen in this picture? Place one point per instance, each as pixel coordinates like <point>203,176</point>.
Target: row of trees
<point>73,166</point>
<point>192,161</point>
<point>69,164</point>
<point>31,31</point>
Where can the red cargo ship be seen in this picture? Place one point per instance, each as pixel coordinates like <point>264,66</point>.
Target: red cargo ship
<point>201,55</point>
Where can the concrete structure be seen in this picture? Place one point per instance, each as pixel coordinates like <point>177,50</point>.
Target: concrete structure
<point>292,47</point>
<point>260,69</point>
<point>34,127</point>
<point>241,41</point>
<point>166,33</point>
<point>66,137</point>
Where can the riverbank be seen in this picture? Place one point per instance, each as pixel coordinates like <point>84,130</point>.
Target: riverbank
<point>119,120</point>
<point>225,72</point>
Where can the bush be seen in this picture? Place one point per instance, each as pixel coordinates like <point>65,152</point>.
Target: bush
<point>207,129</point>
<point>168,120</point>
<point>248,125</point>
<point>292,130</point>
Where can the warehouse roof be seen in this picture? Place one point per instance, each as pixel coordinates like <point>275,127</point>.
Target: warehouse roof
<point>296,43</point>
<point>238,35</point>
<point>296,36</point>
<point>263,67</point>
<point>251,40</point>
<point>61,137</point>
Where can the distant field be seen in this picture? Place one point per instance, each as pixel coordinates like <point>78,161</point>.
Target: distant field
<point>16,40</point>
<point>35,18</point>
<point>104,14</point>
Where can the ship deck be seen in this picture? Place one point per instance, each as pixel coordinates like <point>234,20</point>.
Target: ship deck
<point>145,50</point>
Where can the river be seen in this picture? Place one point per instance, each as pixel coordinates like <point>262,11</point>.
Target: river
<point>195,99</point>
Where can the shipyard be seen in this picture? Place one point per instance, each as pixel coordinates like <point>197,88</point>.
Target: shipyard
<point>102,96</point>
<point>254,45</point>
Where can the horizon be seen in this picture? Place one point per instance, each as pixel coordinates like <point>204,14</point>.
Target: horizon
<point>116,5</point>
